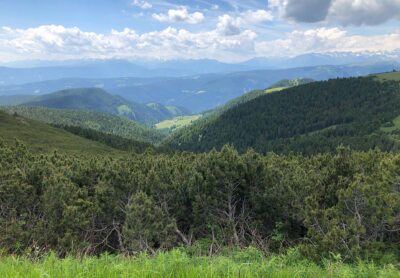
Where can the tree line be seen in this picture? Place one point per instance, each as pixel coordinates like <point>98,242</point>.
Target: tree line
<point>343,202</point>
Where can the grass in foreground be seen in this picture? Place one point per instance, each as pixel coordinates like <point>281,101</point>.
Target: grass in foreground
<point>177,263</point>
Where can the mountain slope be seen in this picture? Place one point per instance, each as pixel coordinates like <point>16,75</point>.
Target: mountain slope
<point>102,122</point>
<point>200,119</point>
<point>310,118</point>
<point>40,137</point>
<point>95,99</point>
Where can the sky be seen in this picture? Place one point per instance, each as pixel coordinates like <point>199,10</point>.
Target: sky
<point>225,30</point>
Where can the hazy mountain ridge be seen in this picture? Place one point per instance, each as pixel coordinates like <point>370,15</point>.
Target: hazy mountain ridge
<point>21,72</point>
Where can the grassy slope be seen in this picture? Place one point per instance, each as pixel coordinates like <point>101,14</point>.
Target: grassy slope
<point>102,122</point>
<point>179,264</point>
<point>177,122</point>
<point>40,137</point>
<point>388,76</point>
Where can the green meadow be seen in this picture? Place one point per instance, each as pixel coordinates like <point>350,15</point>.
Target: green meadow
<point>178,263</point>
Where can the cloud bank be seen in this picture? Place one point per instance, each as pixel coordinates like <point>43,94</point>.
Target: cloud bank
<point>227,42</point>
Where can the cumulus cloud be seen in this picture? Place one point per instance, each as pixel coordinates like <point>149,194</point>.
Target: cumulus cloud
<point>257,16</point>
<point>58,42</point>
<point>228,25</point>
<point>142,4</point>
<point>180,15</point>
<point>227,43</point>
<point>323,40</point>
<point>345,12</point>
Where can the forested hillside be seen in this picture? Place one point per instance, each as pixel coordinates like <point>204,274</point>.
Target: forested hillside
<point>198,120</point>
<point>102,122</point>
<point>95,99</point>
<point>311,118</point>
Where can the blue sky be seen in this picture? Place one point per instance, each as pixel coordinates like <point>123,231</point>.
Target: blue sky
<point>227,30</point>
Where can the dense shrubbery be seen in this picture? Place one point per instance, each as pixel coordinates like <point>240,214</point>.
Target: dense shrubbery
<point>345,203</point>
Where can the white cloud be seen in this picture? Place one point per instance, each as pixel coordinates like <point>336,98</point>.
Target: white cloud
<point>180,15</point>
<point>142,4</point>
<point>55,42</point>
<point>345,12</point>
<point>227,42</point>
<point>253,17</point>
<point>324,40</point>
<point>228,25</point>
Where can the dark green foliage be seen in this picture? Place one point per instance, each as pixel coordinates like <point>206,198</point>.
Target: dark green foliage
<point>111,140</point>
<point>311,118</point>
<point>147,226</point>
<point>102,122</point>
<point>344,203</point>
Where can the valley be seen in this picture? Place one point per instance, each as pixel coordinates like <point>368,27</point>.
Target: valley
<point>70,158</point>
<point>176,138</point>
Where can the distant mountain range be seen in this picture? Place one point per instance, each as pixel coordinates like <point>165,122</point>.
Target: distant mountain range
<point>35,71</point>
<point>196,93</point>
